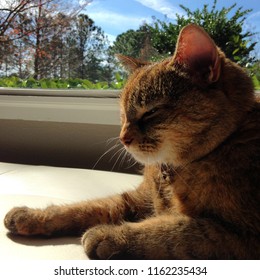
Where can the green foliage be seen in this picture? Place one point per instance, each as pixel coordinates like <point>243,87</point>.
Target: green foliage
<point>256,82</point>
<point>119,81</point>
<point>254,71</point>
<point>226,30</point>
<point>16,82</point>
<point>225,26</point>
<point>11,82</point>
<point>130,42</point>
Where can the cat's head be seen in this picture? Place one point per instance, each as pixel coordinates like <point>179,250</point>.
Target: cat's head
<point>179,109</point>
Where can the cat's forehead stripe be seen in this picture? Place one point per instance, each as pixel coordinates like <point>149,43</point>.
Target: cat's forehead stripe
<point>131,112</point>
<point>144,89</point>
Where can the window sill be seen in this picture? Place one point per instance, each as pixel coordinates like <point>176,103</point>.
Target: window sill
<point>72,106</point>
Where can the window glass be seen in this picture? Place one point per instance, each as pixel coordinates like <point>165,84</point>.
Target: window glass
<point>62,44</point>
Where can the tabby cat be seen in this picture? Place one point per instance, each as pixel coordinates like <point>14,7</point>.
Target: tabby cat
<point>194,122</point>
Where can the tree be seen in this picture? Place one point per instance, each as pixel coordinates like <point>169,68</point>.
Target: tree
<point>86,46</point>
<point>129,42</point>
<point>10,18</point>
<point>6,57</point>
<point>40,24</point>
<point>48,42</point>
<point>225,26</point>
<point>135,43</point>
<point>49,29</point>
<point>226,31</point>
<point>10,11</point>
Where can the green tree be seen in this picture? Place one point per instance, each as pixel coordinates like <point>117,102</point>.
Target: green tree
<point>227,31</point>
<point>225,26</point>
<point>87,45</point>
<point>135,43</point>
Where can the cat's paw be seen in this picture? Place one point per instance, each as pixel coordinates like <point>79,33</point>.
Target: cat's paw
<point>104,242</point>
<point>22,221</point>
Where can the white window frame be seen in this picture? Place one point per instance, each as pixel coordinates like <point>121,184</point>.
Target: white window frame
<point>72,106</point>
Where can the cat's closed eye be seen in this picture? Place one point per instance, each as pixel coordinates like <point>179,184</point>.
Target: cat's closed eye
<point>149,114</point>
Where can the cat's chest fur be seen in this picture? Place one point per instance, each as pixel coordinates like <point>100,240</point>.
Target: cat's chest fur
<point>174,191</point>
<point>195,190</point>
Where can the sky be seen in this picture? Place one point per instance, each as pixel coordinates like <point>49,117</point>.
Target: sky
<point>118,16</point>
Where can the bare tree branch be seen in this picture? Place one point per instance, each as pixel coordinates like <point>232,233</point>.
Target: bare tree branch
<point>10,11</point>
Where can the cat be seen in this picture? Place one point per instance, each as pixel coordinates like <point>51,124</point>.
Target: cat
<point>193,121</point>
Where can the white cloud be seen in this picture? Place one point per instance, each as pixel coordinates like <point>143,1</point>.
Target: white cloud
<point>116,21</point>
<point>252,23</point>
<point>162,6</point>
<point>254,15</point>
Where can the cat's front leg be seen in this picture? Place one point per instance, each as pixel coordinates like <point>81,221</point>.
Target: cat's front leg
<point>106,242</point>
<point>142,240</point>
<point>74,219</point>
<point>162,237</point>
<point>53,220</point>
<point>71,219</point>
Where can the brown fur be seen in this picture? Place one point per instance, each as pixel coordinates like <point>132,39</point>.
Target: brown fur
<point>193,121</point>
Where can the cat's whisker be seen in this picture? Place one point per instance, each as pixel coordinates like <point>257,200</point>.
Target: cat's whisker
<point>130,158</point>
<point>129,161</point>
<point>110,140</point>
<point>104,154</point>
<point>121,152</point>
<point>132,165</point>
<point>123,158</point>
<point>116,153</point>
<point>107,141</point>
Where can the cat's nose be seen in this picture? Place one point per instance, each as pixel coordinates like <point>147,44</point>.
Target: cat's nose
<point>126,140</point>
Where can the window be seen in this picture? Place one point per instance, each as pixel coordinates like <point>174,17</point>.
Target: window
<point>71,45</point>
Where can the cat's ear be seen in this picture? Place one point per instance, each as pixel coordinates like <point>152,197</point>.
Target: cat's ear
<point>130,63</point>
<point>197,52</point>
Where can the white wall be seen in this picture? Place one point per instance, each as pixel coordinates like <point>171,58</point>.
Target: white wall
<point>61,131</point>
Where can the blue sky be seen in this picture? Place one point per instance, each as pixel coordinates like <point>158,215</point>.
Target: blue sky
<point>117,16</point>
